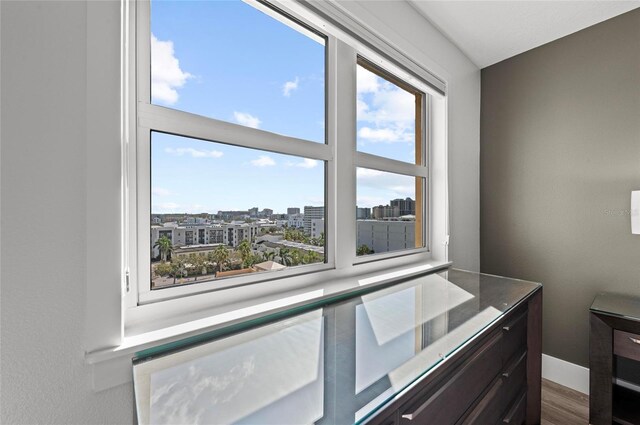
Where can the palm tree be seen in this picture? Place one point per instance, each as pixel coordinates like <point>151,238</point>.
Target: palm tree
<point>285,256</point>
<point>165,247</point>
<point>221,256</point>
<point>245,252</point>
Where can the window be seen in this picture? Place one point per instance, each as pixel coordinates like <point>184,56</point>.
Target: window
<point>211,186</point>
<point>248,138</point>
<point>390,125</point>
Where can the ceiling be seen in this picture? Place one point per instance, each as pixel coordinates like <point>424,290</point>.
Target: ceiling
<point>491,31</point>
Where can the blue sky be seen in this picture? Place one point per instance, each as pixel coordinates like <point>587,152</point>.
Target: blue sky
<point>229,61</point>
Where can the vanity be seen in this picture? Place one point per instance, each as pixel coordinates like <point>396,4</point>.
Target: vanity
<point>449,347</point>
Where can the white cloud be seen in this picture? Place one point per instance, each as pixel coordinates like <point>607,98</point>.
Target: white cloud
<point>290,86</point>
<point>166,75</point>
<point>378,187</point>
<point>263,161</point>
<point>404,190</point>
<point>367,81</point>
<point>389,135</point>
<point>159,191</point>
<point>387,111</point>
<point>195,153</point>
<point>364,201</point>
<point>246,119</point>
<point>307,163</point>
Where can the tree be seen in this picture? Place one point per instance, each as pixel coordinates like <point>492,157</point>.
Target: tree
<point>364,250</point>
<point>221,257</point>
<point>296,257</point>
<point>163,269</point>
<point>244,248</point>
<point>311,257</point>
<point>285,256</point>
<point>178,269</point>
<point>165,247</point>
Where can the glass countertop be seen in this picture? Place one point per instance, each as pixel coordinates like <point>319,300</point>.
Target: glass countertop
<point>617,305</point>
<point>337,364</point>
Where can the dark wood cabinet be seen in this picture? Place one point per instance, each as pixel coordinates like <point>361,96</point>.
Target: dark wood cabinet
<point>445,348</point>
<point>494,379</point>
<point>615,331</point>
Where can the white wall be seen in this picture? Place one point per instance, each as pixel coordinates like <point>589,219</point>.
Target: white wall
<point>404,27</point>
<point>44,145</point>
<point>49,140</point>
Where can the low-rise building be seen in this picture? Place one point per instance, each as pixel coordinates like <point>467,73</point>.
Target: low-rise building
<point>384,236</point>
<point>230,234</point>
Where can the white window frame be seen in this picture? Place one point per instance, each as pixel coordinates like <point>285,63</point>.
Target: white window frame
<point>341,158</point>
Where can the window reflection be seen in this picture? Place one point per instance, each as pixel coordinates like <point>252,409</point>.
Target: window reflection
<point>253,377</point>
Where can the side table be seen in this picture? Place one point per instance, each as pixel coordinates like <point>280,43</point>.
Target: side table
<point>614,331</point>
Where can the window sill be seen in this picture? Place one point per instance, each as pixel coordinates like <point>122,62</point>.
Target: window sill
<point>112,366</point>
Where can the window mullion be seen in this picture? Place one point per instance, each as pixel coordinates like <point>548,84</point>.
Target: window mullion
<point>172,121</point>
<point>367,160</point>
<point>345,152</point>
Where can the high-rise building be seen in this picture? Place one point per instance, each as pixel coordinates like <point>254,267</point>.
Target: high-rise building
<point>309,214</point>
<point>363,213</point>
<point>293,210</point>
<point>385,211</point>
<point>406,206</point>
<point>253,212</point>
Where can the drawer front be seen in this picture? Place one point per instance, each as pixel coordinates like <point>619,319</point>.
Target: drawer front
<point>489,409</point>
<point>517,413</point>
<point>514,341</point>
<point>453,398</point>
<point>515,379</point>
<point>503,393</point>
<point>626,344</point>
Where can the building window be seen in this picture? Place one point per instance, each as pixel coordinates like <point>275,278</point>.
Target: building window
<point>239,153</point>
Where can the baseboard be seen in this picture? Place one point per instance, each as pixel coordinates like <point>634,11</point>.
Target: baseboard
<point>565,373</point>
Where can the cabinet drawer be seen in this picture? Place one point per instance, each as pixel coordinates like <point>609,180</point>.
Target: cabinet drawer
<point>626,344</point>
<point>515,378</point>
<point>489,409</point>
<point>516,414</point>
<point>514,341</point>
<point>503,393</point>
<point>453,398</point>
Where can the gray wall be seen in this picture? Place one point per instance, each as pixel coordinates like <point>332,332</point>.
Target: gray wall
<point>560,154</point>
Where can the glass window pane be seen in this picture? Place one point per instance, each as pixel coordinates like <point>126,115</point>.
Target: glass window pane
<point>386,118</point>
<point>219,210</point>
<point>230,61</point>
<point>388,212</point>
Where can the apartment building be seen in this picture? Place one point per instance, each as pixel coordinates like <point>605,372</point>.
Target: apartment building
<point>188,235</point>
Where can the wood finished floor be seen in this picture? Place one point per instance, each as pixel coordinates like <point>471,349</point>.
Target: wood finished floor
<point>563,406</point>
